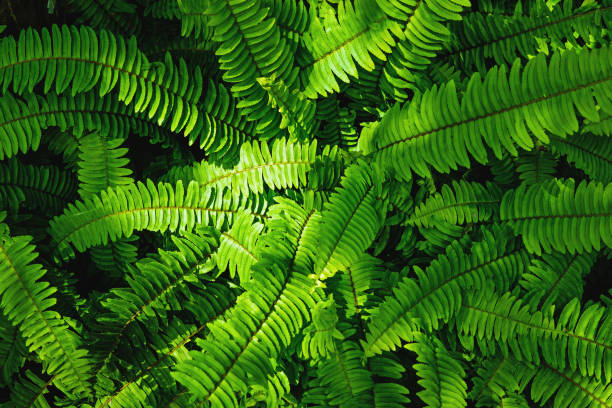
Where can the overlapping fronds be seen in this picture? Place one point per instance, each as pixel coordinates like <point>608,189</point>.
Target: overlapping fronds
<point>437,293</point>
<point>560,215</point>
<point>438,129</point>
<point>35,187</point>
<point>81,59</point>
<point>27,301</point>
<point>556,278</point>
<point>118,212</point>
<point>442,376</point>
<point>237,247</point>
<point>114,15</point>
<point>334,45</point>
<point>464,203</point>
<point>591,154</point>
<point>12,350</point>
<point>504,38</point>
<point>575,340</point>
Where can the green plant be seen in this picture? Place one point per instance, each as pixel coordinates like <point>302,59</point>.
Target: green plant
<point>240,203</point>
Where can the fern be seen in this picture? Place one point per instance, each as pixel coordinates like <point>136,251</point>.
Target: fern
<point>289,203</point>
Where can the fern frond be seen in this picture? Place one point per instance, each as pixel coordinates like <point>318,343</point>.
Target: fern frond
<point>101,164</point>
<point>24,185</point>
<point>29,392</point>
<point>569,388</point>
<point>442,376</point>
<point>297,112</point>
<point>437,294</point>
<point>560,215</point>
<point>118,212</point>
<point>274,307</point>
<point>504,38</point>
<point>535,166</point>
<point>26,301</point>
<point>436,130</point>
<point>115,257</point>
<point>350,221</point>
<point>362,28</point>
<point>576,340</point>
<point>464,203</point>
<point>499,377</point>
<point>603,127</point>
<point>114,15</point>
<point>237,247</point>
<point>591,154</point>
<point>556,278</point>
<point>12,350</point>
<point>80,59</point>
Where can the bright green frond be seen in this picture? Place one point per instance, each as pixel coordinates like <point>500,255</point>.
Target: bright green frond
<point>441,130</point>
<point>560,215</point>
<point>27,302</point>
<point>442,376</point>
<point>238,245</point>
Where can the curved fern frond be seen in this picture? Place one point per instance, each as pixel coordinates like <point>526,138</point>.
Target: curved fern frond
<point>274,307</point>
<point>26,301</point>
<point>101,164</point>
<point>237,247</point>
<point>569,388</point>
<point>425,32</point>
<point>591,154</point>
<point>118,212</point>
<point>47,187</point>
<point>278,165</point>
<point>499,377</point>
<point>361,29</point>
<point>80,59</point>
<point>298,113</point>
<point>436,130</point>
<point>504,38</point>
<point>561,216</point>
<point>12,350</point>
<point>350,221</point>
<point>576,340</point>
<point>464,203</point>
<point>556,278</point>
<point>115,257</point>
<point>603,127</point>
<point>442,376</point>
<point>29,392</point>
<point>292,19</point>
<point>437,294</point>
<point>251,47</point>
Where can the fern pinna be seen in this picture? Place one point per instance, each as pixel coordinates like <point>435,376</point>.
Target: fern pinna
<point>306,203</point>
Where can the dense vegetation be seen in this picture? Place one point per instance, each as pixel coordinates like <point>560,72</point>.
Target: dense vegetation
<point>305,203</point>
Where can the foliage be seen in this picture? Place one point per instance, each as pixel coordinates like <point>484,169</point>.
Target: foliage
<point>306,203</point>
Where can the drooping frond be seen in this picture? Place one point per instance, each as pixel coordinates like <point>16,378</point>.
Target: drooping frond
<point>557,278</point>
<point>81,59</point>
<point>101,164</point>
<point>423,24</point>
<point>251,47</point>
<point>277,302</point>
<point>560,215</point>
<point>35,187</point>
<point>118,212</point>
<point>577,340</point>
<point>27,302</point>
<point>437,129</point>
<point>591,154</point>
<point>464,203</point>
<point>504,38</point>
<point>569,389</point>
<point>442,376</point>
<point>437,293</point>
<point>12,350</point>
